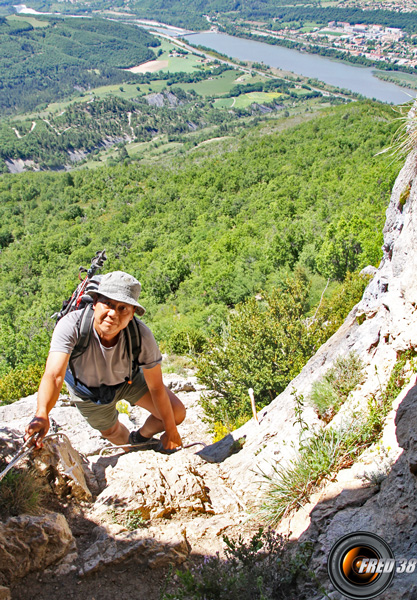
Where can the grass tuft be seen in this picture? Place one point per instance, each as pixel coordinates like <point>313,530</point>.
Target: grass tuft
<point>290,486</point>
<point>21,492</point>
<point>328,394</point>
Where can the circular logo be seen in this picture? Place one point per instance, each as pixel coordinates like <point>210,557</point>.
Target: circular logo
<point>361,565</point>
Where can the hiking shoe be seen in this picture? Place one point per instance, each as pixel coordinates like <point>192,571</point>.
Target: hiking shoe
<point>135,440</point>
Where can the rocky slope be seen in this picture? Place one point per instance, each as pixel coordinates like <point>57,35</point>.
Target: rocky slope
<point>190,498</point>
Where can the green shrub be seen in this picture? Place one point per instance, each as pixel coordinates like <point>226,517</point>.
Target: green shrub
<point>186,341</point>
<point>263,568</point>
<point>333,310</point>
<point>265,344</point>
<point>328,394</point>
<point>19,383</point>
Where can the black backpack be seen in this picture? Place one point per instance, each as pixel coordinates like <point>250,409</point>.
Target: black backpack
<point>81,299</point>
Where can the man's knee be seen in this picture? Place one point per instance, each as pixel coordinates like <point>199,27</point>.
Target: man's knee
<point>179,412</point>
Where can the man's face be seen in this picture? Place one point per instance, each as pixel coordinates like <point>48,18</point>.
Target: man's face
<point>110,317</point>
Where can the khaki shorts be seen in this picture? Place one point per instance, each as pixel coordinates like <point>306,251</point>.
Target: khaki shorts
<point>104,416</point>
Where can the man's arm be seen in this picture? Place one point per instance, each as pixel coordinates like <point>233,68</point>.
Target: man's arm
<point>171,438</point>
<point>48,393</point>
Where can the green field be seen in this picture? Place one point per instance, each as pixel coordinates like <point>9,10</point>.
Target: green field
<point>245,100</point>
<point>178,62</point>
<point>31,20</point>
<point>332,33</point>
<point>220,85</point>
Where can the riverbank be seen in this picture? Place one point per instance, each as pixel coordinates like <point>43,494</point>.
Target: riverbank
<point>402,79</point>
<point>341,75</point>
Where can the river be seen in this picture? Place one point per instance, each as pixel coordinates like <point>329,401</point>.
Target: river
<point>342,75</point>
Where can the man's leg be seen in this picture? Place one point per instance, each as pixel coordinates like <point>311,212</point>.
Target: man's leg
<point>153,423</point>
<point>104,418</point>
<point>117,434</point>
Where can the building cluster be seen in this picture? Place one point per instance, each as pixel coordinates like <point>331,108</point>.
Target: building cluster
<point>375,42</point>
<point>370,32</point>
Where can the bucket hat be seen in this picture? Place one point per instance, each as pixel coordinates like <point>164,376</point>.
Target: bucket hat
<point>121,287</point>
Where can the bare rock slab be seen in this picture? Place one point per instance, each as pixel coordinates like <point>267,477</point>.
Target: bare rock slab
<point>138,545</point>
<point>153,484</point>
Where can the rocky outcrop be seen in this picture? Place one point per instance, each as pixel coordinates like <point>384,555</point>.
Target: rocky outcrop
<point>147,507</point>
<point>155,486</point>
<point>163,99</point>
<point>61,461</point>
<point>32,543</point>
<point>139,545</point>
<point>381,327</point>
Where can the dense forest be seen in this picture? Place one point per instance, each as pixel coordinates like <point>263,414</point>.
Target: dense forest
<point>42,64</point>
<point>201,235</point>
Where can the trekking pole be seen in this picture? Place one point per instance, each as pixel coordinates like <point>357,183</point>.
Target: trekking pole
<point>96,263</point>
<point>24,451</point>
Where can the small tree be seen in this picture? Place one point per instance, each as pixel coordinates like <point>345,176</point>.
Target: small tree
<point>263,346</point>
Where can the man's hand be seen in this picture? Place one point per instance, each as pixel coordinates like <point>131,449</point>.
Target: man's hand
<point>38,427</point>
<point>48,393</point>
<point>171,441</point>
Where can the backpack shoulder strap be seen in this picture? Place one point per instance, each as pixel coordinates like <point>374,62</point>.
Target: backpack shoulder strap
<point>135,336</point>
<point>134,343</point>
<point>85,326</point>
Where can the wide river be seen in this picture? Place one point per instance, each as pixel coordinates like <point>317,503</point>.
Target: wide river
<point>337,73</point>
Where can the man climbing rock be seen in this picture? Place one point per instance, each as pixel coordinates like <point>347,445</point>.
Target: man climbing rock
<point>105,371</point>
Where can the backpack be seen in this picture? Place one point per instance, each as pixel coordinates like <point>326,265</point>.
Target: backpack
<point>81,299</point>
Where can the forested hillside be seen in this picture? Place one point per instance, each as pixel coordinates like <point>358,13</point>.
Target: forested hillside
<point>202,234</point>
<point>194,15</point>
<point>64,138</point>
<point>47,62</point>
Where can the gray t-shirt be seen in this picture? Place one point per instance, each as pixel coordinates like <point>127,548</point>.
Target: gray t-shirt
<point>100,365</point>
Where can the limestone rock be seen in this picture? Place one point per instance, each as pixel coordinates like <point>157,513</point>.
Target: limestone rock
<point>10,442</point>
<point>64,417</point>
<point>139,545</point>
<point>31,543</point>
<point>389,303</point>
<point>59,456</point>
<point>183,386</point>
<point>153,484</point>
